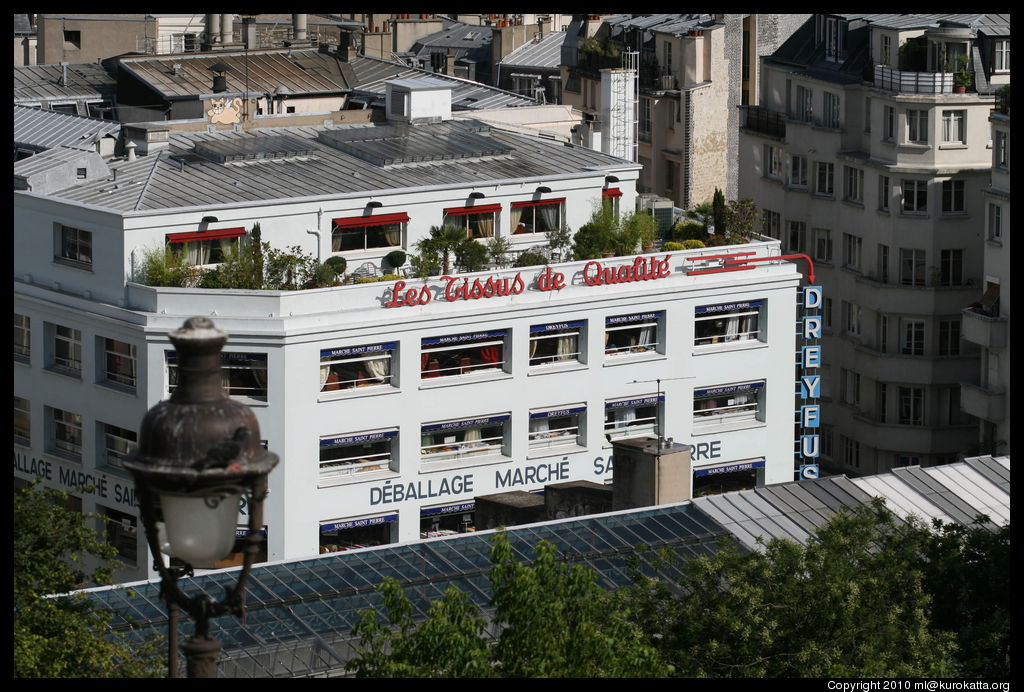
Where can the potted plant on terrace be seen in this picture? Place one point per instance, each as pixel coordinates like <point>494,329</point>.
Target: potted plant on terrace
<point>962,76</point>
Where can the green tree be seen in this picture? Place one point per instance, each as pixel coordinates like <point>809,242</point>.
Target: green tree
<point>443,243</point>
<point>498,249</point>
<point>718,212</point>
<point>553,618</point>
<point>740,217</point>
<point>851,603</point>
<point>66,636</point>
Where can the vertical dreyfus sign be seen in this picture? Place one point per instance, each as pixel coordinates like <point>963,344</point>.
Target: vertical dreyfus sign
<point>809,382</point>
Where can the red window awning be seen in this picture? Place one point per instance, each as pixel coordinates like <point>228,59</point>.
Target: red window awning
<point>478,209</point>
<point>378,220</point>
<point>213,234</point>
<point>539,203</point>
<point>611,192</point>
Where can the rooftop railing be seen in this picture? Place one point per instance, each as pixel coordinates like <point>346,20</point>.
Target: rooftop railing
<point>913,82</point>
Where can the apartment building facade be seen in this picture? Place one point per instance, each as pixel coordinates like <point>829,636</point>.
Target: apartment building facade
<point>693,71</point>
<point>862,155</point>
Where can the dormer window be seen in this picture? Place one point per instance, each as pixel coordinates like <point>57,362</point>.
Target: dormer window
<point>835,38</point>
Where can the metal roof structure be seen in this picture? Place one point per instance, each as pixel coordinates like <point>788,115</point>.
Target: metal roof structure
<point>300,614</point>
<point>463,40</point>
<point>181,177</point>
<point>370,75</point>
<point>254,71</point>
<point>545,53</point>
<point>35,85</point>
<point>44,129</point>
<point>664,23</point>
<point>51,158</point>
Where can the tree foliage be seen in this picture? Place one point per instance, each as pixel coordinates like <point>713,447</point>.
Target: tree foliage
<point>553,620</point>
<point>851,602</point>
<point>65,635</point>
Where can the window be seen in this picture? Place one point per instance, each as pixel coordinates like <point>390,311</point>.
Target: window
<point>867,115</point>
<point>631,334</point>
<point>65,433</point>
<point>81,173</point>
<point>951,267</point>
<point>356,366</point>
<point>995,222</point>
<point>479,221</point>
<point>835,39</point>
<point>888,123</point>
<point>645,119</point>
<point>851,251</point>
<point>118,443</point>
<point>361,233</point>
<point>822,244</point>
<point>208,247</point>
<point>851,452</point>
<point>911,406</point>
<point>727,322</point>
<point>851,317</point>
<point>243,374</point>
<point>795,241</point>
<point>850,384</point>
<point>886,50</point>
<point>347,455</point>
<point>772,161</point>
<point>854,184</point>
<point>1001,55</point>
<point>122,532</point>
<point>22,337</point>
<point>804,104</point>
<point>954,130</point>
<point>798,171</point>
<point>119,362</point>
<point>22,421</point>
<point>555,343</point>
<point>884,193</point>
<point>883,264</point>
<point>904,460</point>
<point>825,174</point>
<point>949,337</point>
<point>830,118</point>
<point>917,126</point>
<point>915,196</point>
<point>883,333</point>
<point>537,217</point>
<point>827,313</point>
<point>1001,150</point>
<point>881,401</point>
<point>636,417</point>
<point>611,196</point>
<point>67,350</point>
<point>913,337</point>
<point>728,404</point>
<point>464,439</point>
<point>75,246</point>
<point>770,221</point>
<point>557,427</point>
<point>448,356</point>
<point>72,40</point>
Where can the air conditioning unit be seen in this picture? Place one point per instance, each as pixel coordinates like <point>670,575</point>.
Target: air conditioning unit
<point>657,206</point>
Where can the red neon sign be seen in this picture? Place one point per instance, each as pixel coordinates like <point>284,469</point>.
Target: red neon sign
<point>465,288</point>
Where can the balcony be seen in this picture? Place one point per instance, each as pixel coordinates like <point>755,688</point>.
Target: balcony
<point>763,121</point>
<point>984,330</point>
<point>913,82</point>
<point>987,403</point>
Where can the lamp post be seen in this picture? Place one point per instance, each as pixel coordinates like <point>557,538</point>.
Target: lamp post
<point>199,452</point>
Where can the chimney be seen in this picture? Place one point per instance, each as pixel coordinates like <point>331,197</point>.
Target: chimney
<point>226,32</point>
<point>449,63</point>
<point>249,32</point>
<point>299,27</point>
<point>63,81</point>
<point>212,29</point>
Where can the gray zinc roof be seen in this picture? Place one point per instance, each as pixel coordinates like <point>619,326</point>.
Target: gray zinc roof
<point>178,177</point>
<point>258,71</point>
<point>545,53</point>
<point>39,84</point>
<point>45,129</point>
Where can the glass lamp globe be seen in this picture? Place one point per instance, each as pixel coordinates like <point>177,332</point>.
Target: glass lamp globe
<point>200,528</point>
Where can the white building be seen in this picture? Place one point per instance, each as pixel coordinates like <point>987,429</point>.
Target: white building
<point>863,155</point>
<point>391,405</point>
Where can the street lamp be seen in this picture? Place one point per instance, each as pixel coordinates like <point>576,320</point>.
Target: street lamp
<point>199,452</point>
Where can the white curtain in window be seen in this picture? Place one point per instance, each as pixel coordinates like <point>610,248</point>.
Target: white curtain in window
<point>260,375</point>
<point>533,348</point>
<point>379,368</point>
<point>472,436</point>
<point>514,218</point>
<point>486,225</point>
<point>624,416</point>
<point>647,335</point>
<point>393,235</point>
<point>566,347</point>
<point>336,241</point>
<point>732,328</point>
<point>325,372</point>
<point>197,252</point>
<point>539,425</point>
<point>549,215</point>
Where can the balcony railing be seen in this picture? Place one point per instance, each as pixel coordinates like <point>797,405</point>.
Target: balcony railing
<point>763,121</point>
<point>987,403</point>
<point>985,330</point>
<point>913,82</point>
